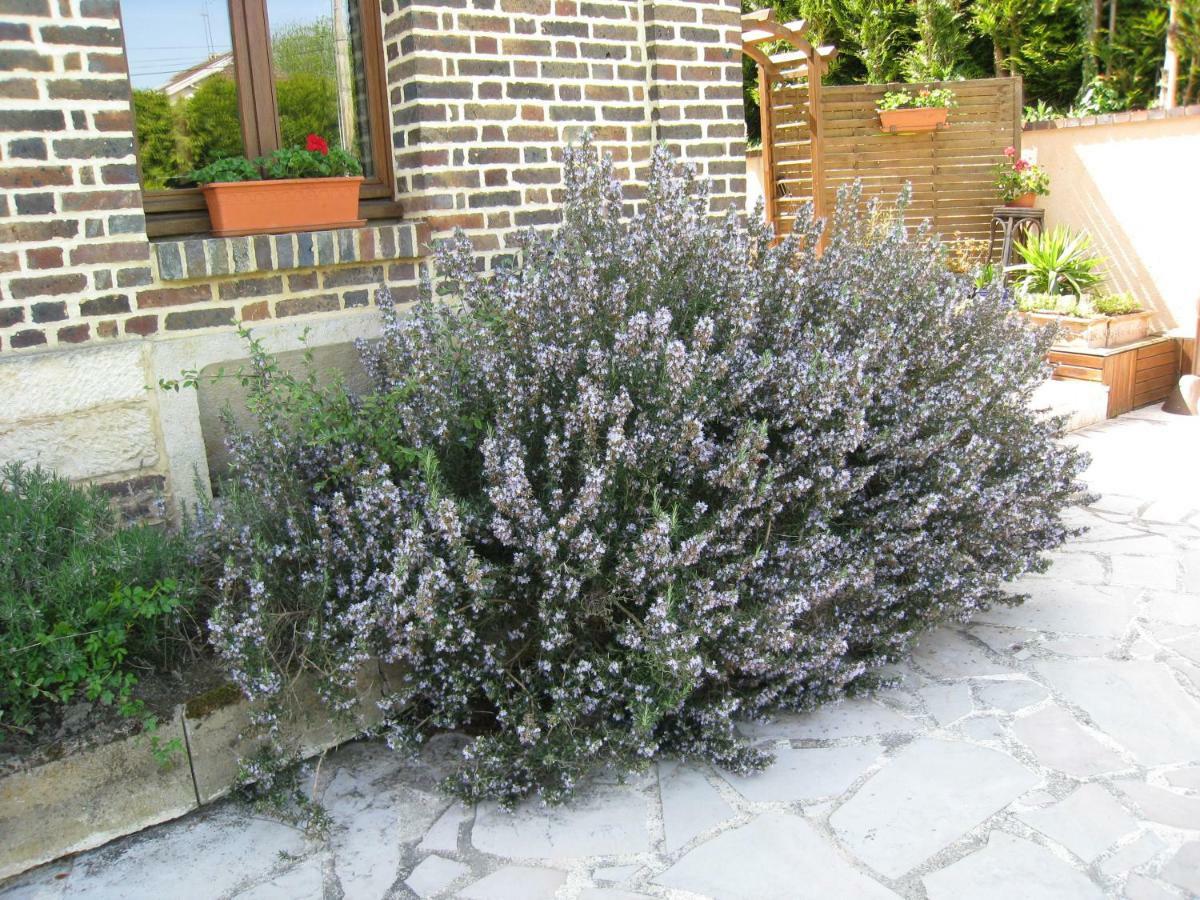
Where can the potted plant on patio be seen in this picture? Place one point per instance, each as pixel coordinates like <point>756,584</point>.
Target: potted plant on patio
<point>901,112</point>
<point>1020,182</point>
<point>293,189</point>
<point>1056,277</point>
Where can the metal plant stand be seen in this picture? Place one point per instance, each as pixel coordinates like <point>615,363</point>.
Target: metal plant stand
<point>1010,223</point>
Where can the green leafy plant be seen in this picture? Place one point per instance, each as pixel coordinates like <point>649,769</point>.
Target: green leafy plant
<point>296,162</point>
<point>1059,261</point>
<point>1019,177</point>
<point>221,171</point>
<point>924,99</point>
<point>1098,96</point>
<point>1050,304</point>
<point>314,160</point>
<point>84,603</point>
<point>1040,112</point>
<point>1116,304</point>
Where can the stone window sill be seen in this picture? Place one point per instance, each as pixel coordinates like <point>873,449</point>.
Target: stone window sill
<point>193,258</point>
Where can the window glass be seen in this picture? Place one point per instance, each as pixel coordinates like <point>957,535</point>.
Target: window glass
<point>316,55</point>
<point>185,97</point>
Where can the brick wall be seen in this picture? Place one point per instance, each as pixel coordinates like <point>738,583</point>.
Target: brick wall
<point>485,92</point>
<point>483,95</point>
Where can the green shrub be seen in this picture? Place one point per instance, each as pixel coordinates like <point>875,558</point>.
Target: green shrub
<point>84,603</point>
<point>662,474</point>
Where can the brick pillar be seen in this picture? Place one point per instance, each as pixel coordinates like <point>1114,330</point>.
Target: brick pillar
<point>485,93</point>
<point>74,244</point>
<point>695,84</point>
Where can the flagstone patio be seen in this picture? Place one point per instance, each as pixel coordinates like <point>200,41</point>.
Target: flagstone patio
<point>1051,750</point>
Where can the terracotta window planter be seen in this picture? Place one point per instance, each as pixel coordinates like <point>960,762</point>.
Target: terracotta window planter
<point>287,204</point>
<point>913,120</point>
<point>1095,331</point>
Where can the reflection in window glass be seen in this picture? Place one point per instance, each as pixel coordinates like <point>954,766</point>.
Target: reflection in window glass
<point>316,53</point>
<point>185,99</point>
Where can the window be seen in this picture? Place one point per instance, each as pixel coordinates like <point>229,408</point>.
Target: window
<point>218,78</point>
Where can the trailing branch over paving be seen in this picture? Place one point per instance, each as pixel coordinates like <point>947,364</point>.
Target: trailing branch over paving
<point>660,476</point>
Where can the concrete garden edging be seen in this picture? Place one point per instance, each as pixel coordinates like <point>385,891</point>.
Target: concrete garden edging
<point>101,792</point>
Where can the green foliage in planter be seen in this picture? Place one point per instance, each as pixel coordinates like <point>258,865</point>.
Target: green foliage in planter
<point>1116,304</point>
<point>222,171</point>
<point>85,604</point>
<point>660,475</point>
<point>289,162</point>
<point>296,162</point>
<point>937,98</point>
<point>1058,261</point>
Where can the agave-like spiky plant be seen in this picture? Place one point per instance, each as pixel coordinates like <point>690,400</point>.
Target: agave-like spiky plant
<point>1059,261</point>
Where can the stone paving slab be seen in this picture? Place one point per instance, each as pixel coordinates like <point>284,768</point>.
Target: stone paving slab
<point>1044,751</point>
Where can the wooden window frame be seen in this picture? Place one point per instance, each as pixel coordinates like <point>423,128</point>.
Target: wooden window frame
<point>183,211</point>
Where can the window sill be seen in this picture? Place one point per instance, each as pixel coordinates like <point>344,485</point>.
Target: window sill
<point>192,258</point>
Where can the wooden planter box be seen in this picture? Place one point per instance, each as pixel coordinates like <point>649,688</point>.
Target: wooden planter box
<point>1135,375</point>
<point>286,204</point>
<point>913,121</point>
<point>1096,331</point>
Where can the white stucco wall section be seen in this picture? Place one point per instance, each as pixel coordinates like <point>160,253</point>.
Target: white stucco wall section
<point>86,413</point>
<point>179,411</point>
<point>1135,187</point>
<point>98,413</point>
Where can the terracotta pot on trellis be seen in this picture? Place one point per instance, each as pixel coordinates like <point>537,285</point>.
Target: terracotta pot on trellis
<point>913,119</point>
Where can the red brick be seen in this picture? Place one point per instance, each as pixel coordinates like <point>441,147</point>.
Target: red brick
<point>113,120</point>
<point>35,177</point>
<point>130,251</point>
<point>47,285</point>
<point>74,334</point>
<point>27,338</point>
<point>44,258</point>
<point>177,296</point>
<point>96,200</point>
<point>142,325</point>
<point>255,312</point>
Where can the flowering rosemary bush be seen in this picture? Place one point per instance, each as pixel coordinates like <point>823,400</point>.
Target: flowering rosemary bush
<point>661,476</point>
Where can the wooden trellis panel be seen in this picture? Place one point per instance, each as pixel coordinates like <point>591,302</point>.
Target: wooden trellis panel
<point>950,170</point>
<point>789,83</point>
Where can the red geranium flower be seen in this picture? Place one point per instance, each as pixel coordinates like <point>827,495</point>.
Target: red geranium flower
<point>1010,152</point>
<point>316,142</point>
<point>1021,165</point>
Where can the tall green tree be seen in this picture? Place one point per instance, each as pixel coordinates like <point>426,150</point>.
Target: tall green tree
<point>212,123</point>
<point>157,138</point>
<point>940,51</point>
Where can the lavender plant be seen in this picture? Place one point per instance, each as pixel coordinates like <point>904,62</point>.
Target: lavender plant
<point>663,475</point>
